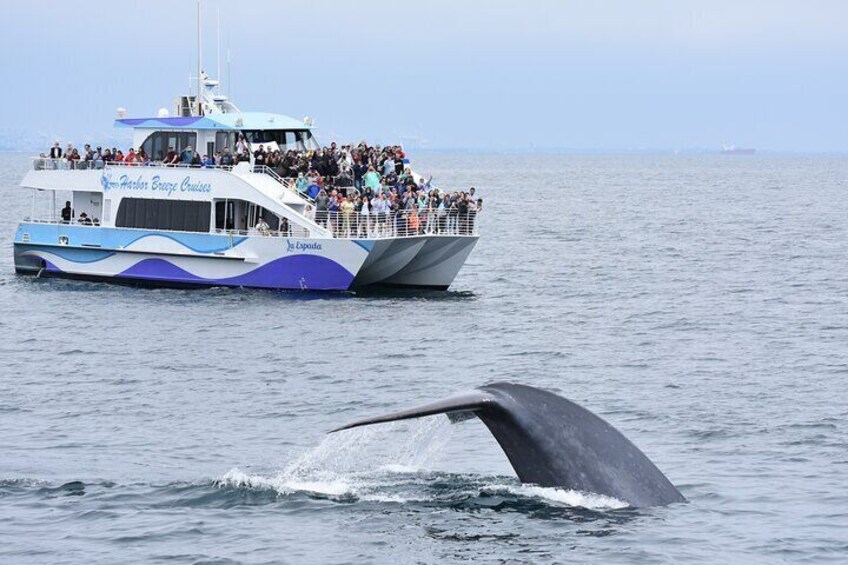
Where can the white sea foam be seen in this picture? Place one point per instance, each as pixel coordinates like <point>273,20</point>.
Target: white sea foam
<point>568,497</point>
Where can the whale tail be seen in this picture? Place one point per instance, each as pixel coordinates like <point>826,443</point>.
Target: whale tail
<point>553,442</point>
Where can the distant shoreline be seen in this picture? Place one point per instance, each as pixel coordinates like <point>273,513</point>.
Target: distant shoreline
<point>565,152</point>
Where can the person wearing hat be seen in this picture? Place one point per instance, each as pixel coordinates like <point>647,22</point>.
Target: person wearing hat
<point>187,155</point>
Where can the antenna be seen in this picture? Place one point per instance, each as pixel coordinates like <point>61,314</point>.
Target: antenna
<point>218,76</point>
<point>229,73</point>
<point>199,58</point>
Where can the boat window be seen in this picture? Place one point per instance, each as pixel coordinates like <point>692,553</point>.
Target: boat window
<point>305,140</point>
<point>161,214</point>
<point>286,139</point>
<point>157,144</point>
<point>225,139</point>
<point>242,215</point>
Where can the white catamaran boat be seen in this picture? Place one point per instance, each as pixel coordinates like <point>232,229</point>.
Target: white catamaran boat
<point>241,225</point>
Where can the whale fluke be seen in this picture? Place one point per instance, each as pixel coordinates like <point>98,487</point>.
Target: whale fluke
<point>553,442</point>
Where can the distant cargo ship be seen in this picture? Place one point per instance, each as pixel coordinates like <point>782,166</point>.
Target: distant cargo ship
<point>733,150</point>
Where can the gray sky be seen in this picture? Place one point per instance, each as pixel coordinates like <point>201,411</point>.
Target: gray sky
<point>497,75</point>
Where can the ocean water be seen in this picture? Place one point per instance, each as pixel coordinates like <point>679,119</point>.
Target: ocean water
<point>699,304</point>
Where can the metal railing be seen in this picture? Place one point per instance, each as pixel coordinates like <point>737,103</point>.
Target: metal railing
<point>342,225</point>
<point>403,223</point>
<point>286,182</point>
<point>48,164</point>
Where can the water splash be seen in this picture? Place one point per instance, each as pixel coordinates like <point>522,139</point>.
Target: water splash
<point>354,463</point>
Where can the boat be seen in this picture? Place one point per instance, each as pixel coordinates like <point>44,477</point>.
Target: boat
<point>235,225</point>
<point>734,150</point>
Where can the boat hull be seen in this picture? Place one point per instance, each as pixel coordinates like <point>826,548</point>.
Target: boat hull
<point>185,259</point>
<point>429,262</point>
<point>179,259</point>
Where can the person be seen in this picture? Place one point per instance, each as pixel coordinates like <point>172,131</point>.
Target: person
<point>441,215</point>
<point>344,181</point>
<point>462,207</point>
<point>208,162</point>
<point>321,202</point>
<point>241,145</point>
<point>412,220</point>
<point>84,219</point>
<point>67,211</point>
<point>259,156</point>
<point>347,213</point>
<point>262,226</point>
<point>388,166</point>
<point>453,215</point>
<point>477,209</point>
<point>333,212</point>
<point>56,151</point>
<point>171,157</point>
<point>364,218</point>
<point>376,208</point>
<point>187,155</point>
<point>359,170</point>
<point>99,158</point>
<point>301,184</point>
<point>372,179</point>
<point>315,186</point>
<point>227,158</point>
<point>73,158</point>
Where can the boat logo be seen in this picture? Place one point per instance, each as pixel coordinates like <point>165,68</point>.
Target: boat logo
<point>156,184</point>
<point>107,182</point>
<point>292,246</point>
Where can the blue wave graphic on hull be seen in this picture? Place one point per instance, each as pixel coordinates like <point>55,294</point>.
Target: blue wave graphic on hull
<point>75,255</point>
<point>292,272</point>
<point>185,239</point>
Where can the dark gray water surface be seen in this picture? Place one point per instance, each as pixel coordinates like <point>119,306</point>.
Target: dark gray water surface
<point>700,304</point>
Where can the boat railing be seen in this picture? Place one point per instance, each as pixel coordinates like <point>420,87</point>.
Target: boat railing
<point>287,182</point>
<point>402,223</point>
<point>344,225</point>
<point>48,164</point>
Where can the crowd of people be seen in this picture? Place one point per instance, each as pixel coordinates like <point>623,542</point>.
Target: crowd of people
<point>370,191</point>
<point>355,190</point>
<point>96,158</point>
<point>396,213</point>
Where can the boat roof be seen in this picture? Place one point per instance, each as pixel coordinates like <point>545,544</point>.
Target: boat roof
<point>229,121</point>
